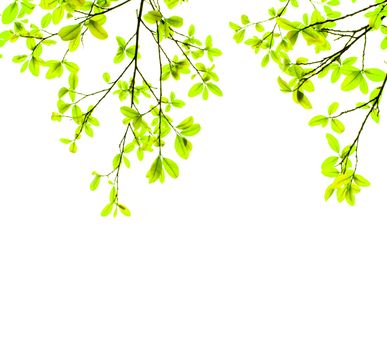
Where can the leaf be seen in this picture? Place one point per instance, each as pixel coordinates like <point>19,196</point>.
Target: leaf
<point>71,66</point>
<point>106,77</point>
<point>215,89</point>
<point>70,32</point>
<point>19,58</point>
<point>155,170</point>
<point>330,172</point>
<point>171,3</point>
<point>342,179</point>
<point>97,30</point>
<point>196,89</point>
<point>350,196</point>
<point>239,36</point>
<point>123,209</point>
<point>300,98</point>
<point>182,146</point>
<point>361,181</point>
<point>171,167</point>
<point>286,25</point>
<point>107,210</point>
<point>129,112</point>
<point>65,141</point>
<point>328,193</point>
<point>329,162</point>
<point>333,143</point>
<point>265,60</point>
<point>153,16</point>
<point>73,81</point>
<point>95,183</point>
<point>73,147</point>
<point>10,13</point>
<point>55,70</point>
<point>48,4</point>
<point>375,74</point>
<point>186,123</point>
<point>113,194</point>
<point>126,161</point>
<point>333,108</point>
<point>351,81</point>
<point>337,125</point>
<point>175,21</point>
<point>319,120</point>
<point>191,131</point>
<point>284,86</point>
<point>34,66</point>
<point>116,161</point>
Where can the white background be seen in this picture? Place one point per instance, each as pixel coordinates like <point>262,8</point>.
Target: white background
<point>241,252</point>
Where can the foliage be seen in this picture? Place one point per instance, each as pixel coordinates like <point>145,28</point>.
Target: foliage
<point>337,47</point>
<point>308,40</point>
<point>146,103</point>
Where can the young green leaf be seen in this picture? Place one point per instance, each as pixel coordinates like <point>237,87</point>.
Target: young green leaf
<point>333,143</point>
<point>70,32</point>
<point>171,167</point>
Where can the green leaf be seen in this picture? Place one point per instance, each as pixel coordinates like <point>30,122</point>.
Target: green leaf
<point>245,19</point>
<point>171,167</point>
<point>196,89</point>
<point>129,112</point>
<point>319,120</point>
<point>153,16</point>
<point>333,143</point>
<point>286,25</point>
<point>95,183</point>
<point>65,141</point>
<point>71,66</point>
<point>300,98</point>
<point>239,36</point>
<point>55,70</point>
<point>191,131</point>
<point>70,32</point>
<point>361,181</point>
<point>97,30</point>
<point>171,3</point>
<point>155,170</point>
<point>330,172</point>
<point>175,21</point>
<point>328,193</point>
<point>333,108</point>
<point>116,161</point>
<point>284,86</point>
<point>19,58</point>
<point>342,179</point>
<point>215,89</point>
<point>126,161</point>
<point>329,162</point>
<point>182,146</point>
<point>34,66</point>
<point>46,20</point>
<point>186,123</point>
<point>375,74</point>
<point>337,125</point>
<point>265,60</point>
<point>350,196</point>
<point>48,4</point>
<point>123,209</point>
<point>10,13</point>
<point>73,147</point>
<point>107,210</point>
<point>352,81</point>
<point>106,77</point>
<point>73,81</point>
